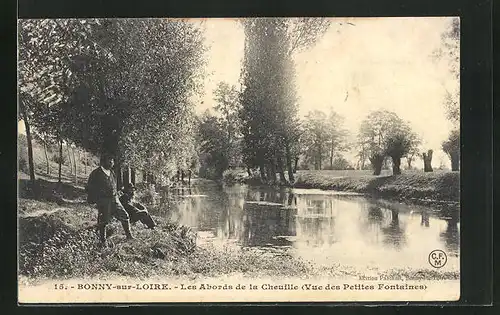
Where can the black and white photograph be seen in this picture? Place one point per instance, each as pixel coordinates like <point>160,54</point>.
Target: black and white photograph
<point>188,160</point>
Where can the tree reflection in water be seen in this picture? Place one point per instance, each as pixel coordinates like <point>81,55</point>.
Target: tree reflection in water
<point>386,223</point>
<point>425,218</point>
<point>316,220</point>
<point>263,216</point>
<point>451,236</point>
<point>267,225</point>
<point>394,233</point>
<point>231,216</point>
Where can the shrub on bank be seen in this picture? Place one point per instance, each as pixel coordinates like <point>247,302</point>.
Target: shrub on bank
<point>63,242</point>
<point>235,176</point>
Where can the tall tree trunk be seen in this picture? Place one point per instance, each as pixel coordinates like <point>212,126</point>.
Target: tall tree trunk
<point>281,171</point>
<point>272,171</point>
<point>69,159</point>
<point>59,175</point>
<point>296,162</point>
<point>320,157</point>
<point>377,161</point>
<point>75,166</point>
<point>126,175</point>
<point>409,160</point>
<point>290,199</point>
<point>289,162</point>
<point>396,165</point>
<point>46,157</point>
<point>118,173</point>
<point>331,155</point>
<point>427,161</point>
<point>30,151</point>
<point>86,159</point>
<point>132,175</point>
<point>455,161</point>
<point>262,170</point>
<point>144,176</point>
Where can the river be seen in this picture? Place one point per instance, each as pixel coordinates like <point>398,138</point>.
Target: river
<point>324,227</point>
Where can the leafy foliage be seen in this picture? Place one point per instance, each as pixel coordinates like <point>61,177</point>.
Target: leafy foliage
<point>323,137</point>
<point>450,53</point>
<point>269,103</point>
<point>121,85</point>
<point>383,133</point>
<point>451,147</point>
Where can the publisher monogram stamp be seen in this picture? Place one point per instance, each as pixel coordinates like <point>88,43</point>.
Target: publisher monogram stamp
<point>437,258</point>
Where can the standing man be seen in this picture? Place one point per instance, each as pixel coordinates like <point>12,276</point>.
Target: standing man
<point>102,191</point>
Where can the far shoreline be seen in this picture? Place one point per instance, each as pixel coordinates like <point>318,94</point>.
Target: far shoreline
<point>439,189</point>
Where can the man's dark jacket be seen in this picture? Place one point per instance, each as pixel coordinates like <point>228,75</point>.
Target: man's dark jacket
<point>100,185</point>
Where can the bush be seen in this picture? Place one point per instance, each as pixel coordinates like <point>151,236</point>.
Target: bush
<point>148,195</point>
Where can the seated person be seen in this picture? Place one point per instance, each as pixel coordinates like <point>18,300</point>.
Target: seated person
<point>135,210</point>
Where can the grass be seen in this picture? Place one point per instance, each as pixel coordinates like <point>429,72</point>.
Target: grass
<point>412,185</point>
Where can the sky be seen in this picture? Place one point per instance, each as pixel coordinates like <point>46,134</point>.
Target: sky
<point>376,63</point>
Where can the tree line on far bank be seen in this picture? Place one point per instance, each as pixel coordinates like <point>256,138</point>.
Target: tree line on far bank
<point>267,137</point>
<point>126,87</point>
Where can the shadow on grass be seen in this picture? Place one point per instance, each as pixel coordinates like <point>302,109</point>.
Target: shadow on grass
<point>46,190</point>
<point>65,178</point>
<point>375,183</point>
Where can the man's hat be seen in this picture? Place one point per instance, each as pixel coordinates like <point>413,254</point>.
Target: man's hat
<point>129,187</point>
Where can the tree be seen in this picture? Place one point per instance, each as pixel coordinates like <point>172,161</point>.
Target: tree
<point>46,141</point>
<point>219,136</point>
<point>122,86</point>
<point>45,51</point>
<point>315,138</point>
<point>323,137</point>
<point>269,107</point>
<point>413,152</point>
<point>337,135</point>
<point>383,133</point>
<point>427,158</point>
<point>213,145</point>
<point>228,106</point>
<point>400,143</point>
<point>450,53</point>
<point>136,104</point>
<point>452,148</point>
<point>374,131</point>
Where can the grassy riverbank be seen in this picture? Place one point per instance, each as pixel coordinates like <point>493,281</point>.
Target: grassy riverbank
<point>57,241</point>
<point>433,188</point>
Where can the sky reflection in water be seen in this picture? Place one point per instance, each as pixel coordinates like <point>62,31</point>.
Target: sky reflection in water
<point>324,227</point>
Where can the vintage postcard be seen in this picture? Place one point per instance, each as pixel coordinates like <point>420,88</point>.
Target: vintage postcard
<point>238,160</point>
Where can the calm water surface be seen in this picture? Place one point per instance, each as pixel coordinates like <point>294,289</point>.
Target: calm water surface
<point>325,227</point>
